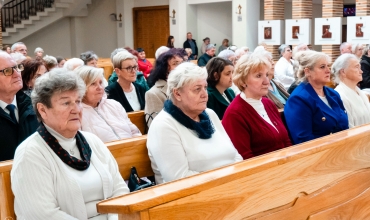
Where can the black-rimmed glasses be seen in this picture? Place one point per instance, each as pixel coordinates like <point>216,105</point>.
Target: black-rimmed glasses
<point>10,70</point>
<point>130,68</point>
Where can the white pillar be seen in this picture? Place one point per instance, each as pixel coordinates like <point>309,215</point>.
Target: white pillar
<point>178,30</point>
<point>245,31</point>
<point>125,28</point>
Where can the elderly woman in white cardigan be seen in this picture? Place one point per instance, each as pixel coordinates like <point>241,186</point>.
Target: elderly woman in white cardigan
<point>59,172</point>
<point>186,138</point>
<point>348,73</point>
<point>106,118</point>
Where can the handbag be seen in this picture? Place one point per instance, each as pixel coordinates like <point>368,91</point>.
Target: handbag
<point>135,183</point>
<point>148,118</point>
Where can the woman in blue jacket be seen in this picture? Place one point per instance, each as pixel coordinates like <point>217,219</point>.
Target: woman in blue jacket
<point>314,110</point>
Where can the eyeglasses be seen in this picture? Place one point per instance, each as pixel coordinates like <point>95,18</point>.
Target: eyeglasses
<point>130,68</point>
<point>10,70</point>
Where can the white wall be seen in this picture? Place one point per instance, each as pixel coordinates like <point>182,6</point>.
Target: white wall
<point>214,21</point>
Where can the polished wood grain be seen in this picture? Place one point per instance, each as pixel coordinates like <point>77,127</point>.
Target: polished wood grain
<point>131,152</point>
<point>6,194</point>
<point>138,119</point>
<point>253,186</point>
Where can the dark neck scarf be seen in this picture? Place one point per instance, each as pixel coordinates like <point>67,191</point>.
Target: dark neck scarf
<point>203,128</point>
<point>82,145</point>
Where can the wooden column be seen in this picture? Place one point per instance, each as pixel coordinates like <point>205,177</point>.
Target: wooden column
<point>362,7</point>
<point>274,10</point>
<point>332,8</point>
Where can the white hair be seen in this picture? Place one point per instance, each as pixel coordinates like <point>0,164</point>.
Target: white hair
<point>259,48</point>
<point>246,49</point>
<point>226,54</point>
<point>50,60</point>
<point>15,45</point>
<point>239,52</point>
<point>341,63</point>
<point>298,48</point>
<point>355,47</point>
<point>39,49</point>
<point>18,57</point>
<point>184,74</point>
<point>115,52</point>
<point>161,50</point>
<point>122,56</point>
<point>73,63</point>
<point>343,45</point>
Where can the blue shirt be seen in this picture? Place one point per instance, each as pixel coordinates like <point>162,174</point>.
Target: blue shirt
<point>192,45</point>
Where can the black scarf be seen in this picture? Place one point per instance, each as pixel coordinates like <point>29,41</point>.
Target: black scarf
<point>82,145</point>
<point>204,128</point>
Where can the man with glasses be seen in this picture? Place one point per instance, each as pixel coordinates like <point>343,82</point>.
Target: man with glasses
<point>17,118</point>
<point>19,47</point>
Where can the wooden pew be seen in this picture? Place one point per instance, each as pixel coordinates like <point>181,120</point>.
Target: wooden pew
<point>321,179</point>
<point>138,119</point>
<point>128,153</point>
<point>107,65</point>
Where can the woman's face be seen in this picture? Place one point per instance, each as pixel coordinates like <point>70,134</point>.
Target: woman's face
<point>320,74</point>
<point>8,50</point>
<point>94,93</point>
<point>207,41</point>
<point>287,54</point>
<point>61,63</point>
<point>40,72</point>
<point>174,62</point>
<point>128,70</point>
<point>172,40</point>
<point>65,113</point>
<point>257,84</point>
<point>226,44</point>
<point>93,63</point>
<point>368,53</point>
<point>226,77</point>
<point>39,53</point>
<point>272,70</point>
<point>192,98</point>
<point>359,51</point>
<point>353,72</point>
<point>142,55</point>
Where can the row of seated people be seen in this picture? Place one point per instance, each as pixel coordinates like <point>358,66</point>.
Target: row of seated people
<point>185,124</point>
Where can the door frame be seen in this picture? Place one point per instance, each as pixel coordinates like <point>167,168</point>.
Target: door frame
<point>137,9</point>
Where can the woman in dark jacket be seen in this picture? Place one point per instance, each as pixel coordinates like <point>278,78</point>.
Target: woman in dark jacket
<point>365,67</point>
<point>220,95</point>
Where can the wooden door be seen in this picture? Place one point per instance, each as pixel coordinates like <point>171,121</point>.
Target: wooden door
<point>151,28</point>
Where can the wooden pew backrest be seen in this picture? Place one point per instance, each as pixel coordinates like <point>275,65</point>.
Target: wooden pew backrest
<point>258,185</point>
<point>131,152</point>
<point>138,119</point>
<point>6,194</point>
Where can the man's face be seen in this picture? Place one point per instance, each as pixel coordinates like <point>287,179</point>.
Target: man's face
<point>190,36</point>
<point>9,85</point>
<point>347,49</point>
<point>211,52</point>
<point>21,49</point>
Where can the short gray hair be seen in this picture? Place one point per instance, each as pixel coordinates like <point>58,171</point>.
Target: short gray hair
<point>355,47</point>
<point>184,74</point>
<point>73,63</point>
<point>298,48</point>
<point>160,50</point>
<point>122,56</point>
<point>343,45</point>
<point>58,80</point>
<point>308,59</point>
<point>210,46</point>
<point>88,56</point>
<point>115,52</point>
<point>226,54</point>
<point>89,74</point>
<point>282,49</point>
<point>50,60</point>
<point>15,45</point>
<point>341,63</point>
<point>39,49</point>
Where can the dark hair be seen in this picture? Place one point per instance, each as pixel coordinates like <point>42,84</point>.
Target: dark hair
<point>169,42</point>
<point>139,49</point>
<point>59,59</point>
<point>207,38</point>
<point>88,56</point>
<point>160,70</point>
<point>132,51</point>
<point>30,69</point>
<point>216,65</point>
<point>5,47</point>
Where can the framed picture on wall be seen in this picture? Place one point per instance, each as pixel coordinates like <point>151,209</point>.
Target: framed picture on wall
<point>268,33</point>
<point>359,32</point>
<point>326,31</point>
<point>295,32</point>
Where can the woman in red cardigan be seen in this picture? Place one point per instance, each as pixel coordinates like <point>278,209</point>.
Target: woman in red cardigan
<point>252,121</point>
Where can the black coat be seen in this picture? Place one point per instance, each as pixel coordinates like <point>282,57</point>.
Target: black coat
<point>11,133</point>
<point>115,91</point>
<point>365,67</point>
<point>187,45</point>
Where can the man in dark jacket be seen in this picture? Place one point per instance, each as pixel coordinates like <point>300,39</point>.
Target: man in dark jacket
<point>17,118</point>
<point>190,43</point>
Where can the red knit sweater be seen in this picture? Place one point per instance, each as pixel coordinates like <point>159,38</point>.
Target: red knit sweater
<point>145,67</point>
<point>250,133</point>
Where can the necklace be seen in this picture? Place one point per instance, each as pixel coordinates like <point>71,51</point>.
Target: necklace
<point>71,152</point>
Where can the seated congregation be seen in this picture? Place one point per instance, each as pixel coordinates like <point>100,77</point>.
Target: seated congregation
<point>58,120</point>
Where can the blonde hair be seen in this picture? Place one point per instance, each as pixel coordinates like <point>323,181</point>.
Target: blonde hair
<point>122,56</point>
<point>89,74</point>
<point>249,64</point>
<point>308,59</point>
